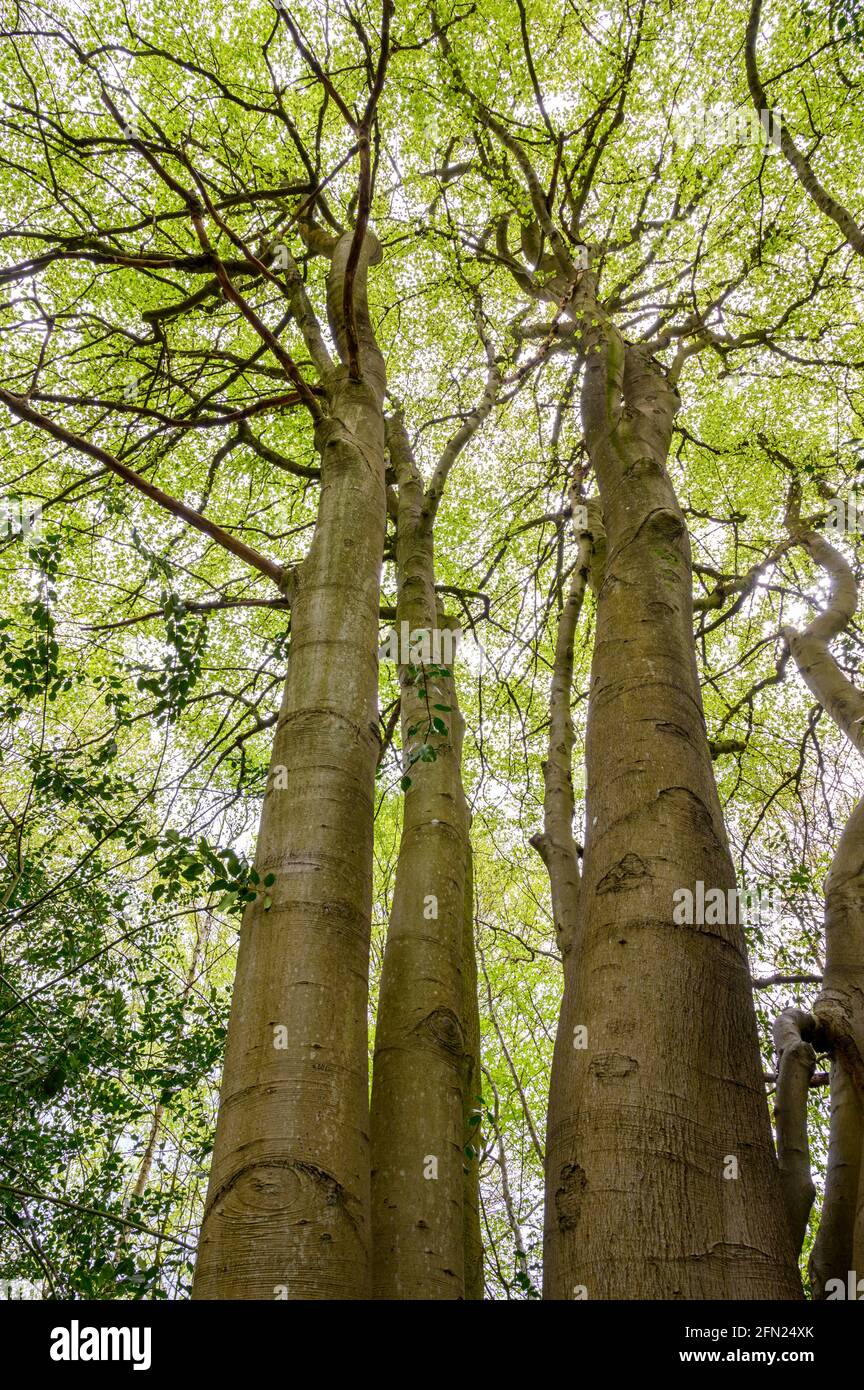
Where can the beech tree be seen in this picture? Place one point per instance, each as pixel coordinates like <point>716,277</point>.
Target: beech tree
<point>835,1023</point>
<point>332,334</point>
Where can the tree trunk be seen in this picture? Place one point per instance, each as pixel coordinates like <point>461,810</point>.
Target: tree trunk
<point>796,1062</point>
<point>287,1211</point>
<point>421,1048</point>
<point>555,844</point>
<point>474,1284</point>
<point>838,1012</point>
<point>662,1181</point>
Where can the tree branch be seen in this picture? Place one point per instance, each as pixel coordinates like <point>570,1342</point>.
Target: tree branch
<point>20,407</point>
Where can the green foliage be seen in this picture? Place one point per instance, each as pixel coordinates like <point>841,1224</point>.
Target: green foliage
<point>141,664</point>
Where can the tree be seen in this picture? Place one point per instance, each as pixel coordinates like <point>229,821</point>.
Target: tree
<point>835,1023</point>
<point>449,317</point>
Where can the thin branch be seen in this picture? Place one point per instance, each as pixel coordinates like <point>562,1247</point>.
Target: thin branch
<point>20,407</point>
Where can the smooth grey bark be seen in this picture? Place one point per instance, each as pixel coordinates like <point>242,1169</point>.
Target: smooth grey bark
<point>472,1095</point>
<point>661,1176</point>
<point>287,1210</point>
<point>839,1014</point>
<point>666,1096</point>
<point>837,1018</point>
<point>556,844</point>
<point>796,1063</point>
<point>427,1033</point>
<point>422,1056</point>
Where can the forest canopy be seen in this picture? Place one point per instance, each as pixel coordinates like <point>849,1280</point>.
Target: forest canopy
<point>328,328</point>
